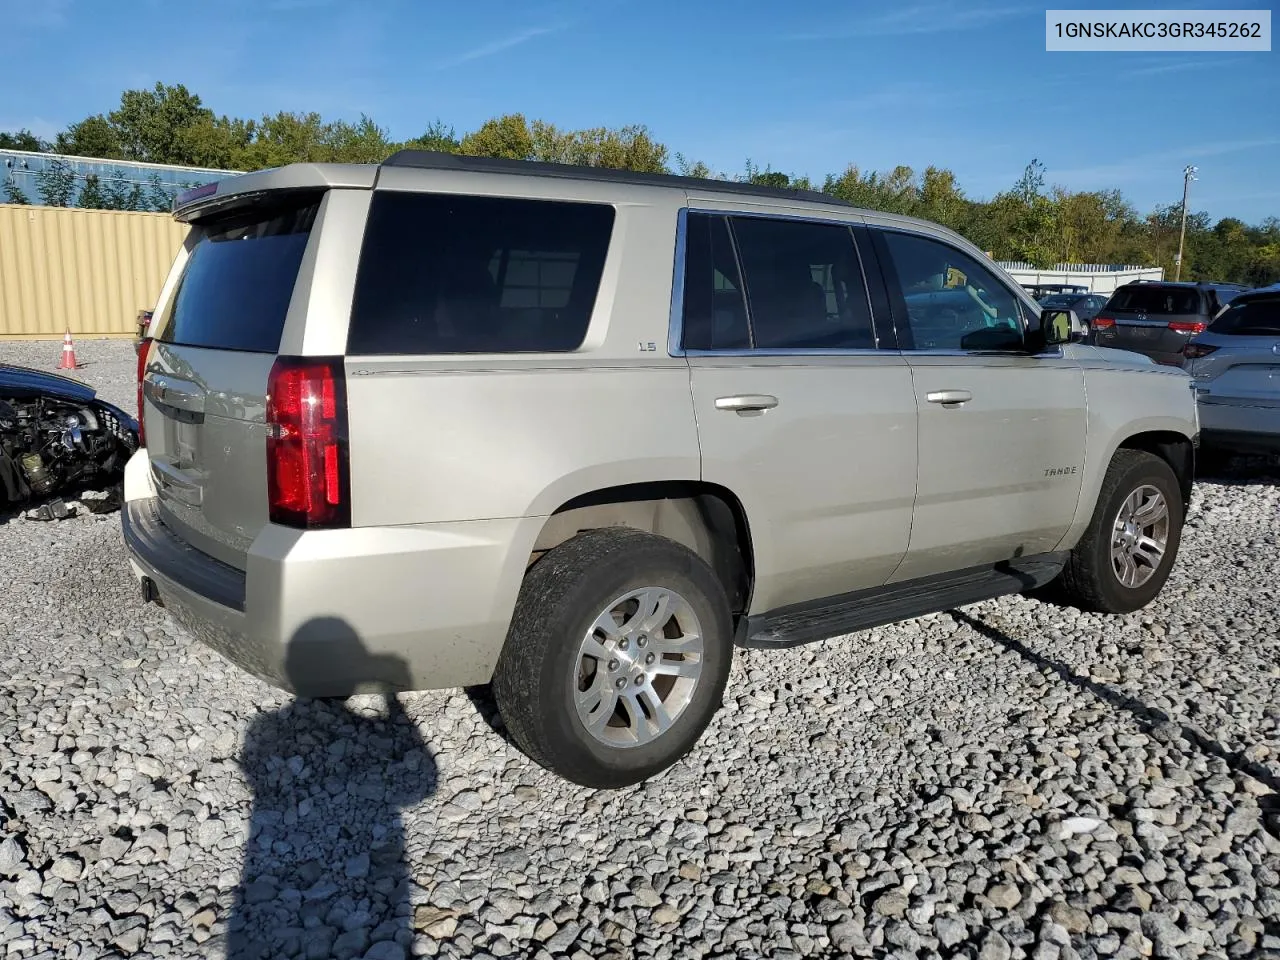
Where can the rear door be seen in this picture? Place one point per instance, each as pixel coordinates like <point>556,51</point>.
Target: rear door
<point>798,414</point>
<point>1001,432</point>
<point>206,374</point>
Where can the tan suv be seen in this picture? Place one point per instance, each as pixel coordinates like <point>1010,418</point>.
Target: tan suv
<point>447,421</point>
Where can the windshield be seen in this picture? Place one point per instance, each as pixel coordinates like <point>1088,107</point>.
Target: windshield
<point>1250,318</point>
<point>1060,300</point>
<point>1156,299</point>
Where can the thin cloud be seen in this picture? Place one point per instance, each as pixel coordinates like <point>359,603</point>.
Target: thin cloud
<point>499,46</point>
<point>1157,69</point>
<point>922,18</point>
<point>1142,166</point>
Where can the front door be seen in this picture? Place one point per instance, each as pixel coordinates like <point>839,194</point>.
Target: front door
<point>1002,433</point>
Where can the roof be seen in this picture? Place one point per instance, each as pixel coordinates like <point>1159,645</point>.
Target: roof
<point>432,160</point>
<point>1192,284</point>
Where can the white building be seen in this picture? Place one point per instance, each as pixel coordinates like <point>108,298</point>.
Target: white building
<point>1097,277</point>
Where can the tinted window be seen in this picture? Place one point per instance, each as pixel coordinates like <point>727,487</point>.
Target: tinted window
<point>952,301</point>
<point>1153,298</point>
<point>715,315</point>
<point>235,291</point>
<point>442,273</point>
<point>804,285</point>
<point>1252,317</point>
<point>1062,301</point>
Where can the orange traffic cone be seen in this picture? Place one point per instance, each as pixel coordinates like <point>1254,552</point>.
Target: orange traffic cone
<point>68,361</point>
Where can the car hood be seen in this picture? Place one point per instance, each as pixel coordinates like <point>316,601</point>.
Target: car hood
<point>26,382</point>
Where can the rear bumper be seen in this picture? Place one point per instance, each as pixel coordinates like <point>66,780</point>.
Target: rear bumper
<point>337,612</point>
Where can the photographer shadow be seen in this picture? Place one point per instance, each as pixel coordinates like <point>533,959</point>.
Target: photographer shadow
<point>325,867</point>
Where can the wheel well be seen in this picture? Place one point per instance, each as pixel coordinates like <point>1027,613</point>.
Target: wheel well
<point>1175,450</point>
<point>706,518</point>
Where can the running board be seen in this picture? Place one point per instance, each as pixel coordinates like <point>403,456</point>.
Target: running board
<point>863,609</point>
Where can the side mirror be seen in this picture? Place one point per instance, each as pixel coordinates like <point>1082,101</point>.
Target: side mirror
<point>1060,326</point>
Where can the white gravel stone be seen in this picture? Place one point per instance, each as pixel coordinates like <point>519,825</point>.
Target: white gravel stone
<point>1114,778</point>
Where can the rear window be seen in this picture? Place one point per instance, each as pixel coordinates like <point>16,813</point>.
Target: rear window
<point>1250,318</point>
<point>444,273</point>
<point>1154,299</point>
<point>1060,300</point>
<point>235,291</point>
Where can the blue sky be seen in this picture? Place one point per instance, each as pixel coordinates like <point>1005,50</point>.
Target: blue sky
<point>806,87</point>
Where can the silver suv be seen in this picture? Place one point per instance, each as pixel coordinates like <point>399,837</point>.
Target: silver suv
<point>577,433</point>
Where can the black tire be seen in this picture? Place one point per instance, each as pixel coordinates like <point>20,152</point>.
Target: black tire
<point>563,593</point>
<point>1089,581</point>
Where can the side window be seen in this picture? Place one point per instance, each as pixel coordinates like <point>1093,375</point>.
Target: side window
<point>715,313</point>
<point>442,273</point>
<point>952,301</point>
<point>804,285</point>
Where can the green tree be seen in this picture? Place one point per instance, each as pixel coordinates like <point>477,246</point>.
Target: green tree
<point>13,193</point>
<point>121,194</point>
<point>56,184</point>
<point>285,138</point>
<point>436,137</point>
<point>151,125</point>
<point>91,195</point>
<point>217,142</point>
<point>22,140</point>
<point>508,137</point>
<point>91,137</point>
<point>159,198</point>
<point>360,142</point>
<point>696,168</point>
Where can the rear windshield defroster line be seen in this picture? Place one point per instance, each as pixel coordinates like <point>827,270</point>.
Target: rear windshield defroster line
<point>453,274</point>
<point>234,293</point>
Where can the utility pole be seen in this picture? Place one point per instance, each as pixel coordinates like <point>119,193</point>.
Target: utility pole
<point>1188,175</point>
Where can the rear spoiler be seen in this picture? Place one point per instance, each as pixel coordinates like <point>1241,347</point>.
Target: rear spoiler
<point>246,188</point>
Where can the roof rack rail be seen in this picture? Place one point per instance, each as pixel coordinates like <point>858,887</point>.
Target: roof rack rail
<point>436,160</point>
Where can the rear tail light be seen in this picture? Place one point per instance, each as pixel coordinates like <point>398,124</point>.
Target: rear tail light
<point>144,351</point>
<point>308,481</point>
<point>1194,351</point>
<point>1102,323</point>
<point>1187,326</point>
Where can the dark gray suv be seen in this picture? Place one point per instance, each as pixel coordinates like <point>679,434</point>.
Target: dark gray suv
<point>1158,318</point>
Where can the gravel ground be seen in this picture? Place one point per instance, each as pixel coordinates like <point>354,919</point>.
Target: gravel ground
<point>1011,780</point>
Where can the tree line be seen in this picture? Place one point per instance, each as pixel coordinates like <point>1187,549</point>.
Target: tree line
<point>1027,222</point>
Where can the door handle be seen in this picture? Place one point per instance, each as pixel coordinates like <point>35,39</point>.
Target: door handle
<point>949,397</point>
<point>747,402</point>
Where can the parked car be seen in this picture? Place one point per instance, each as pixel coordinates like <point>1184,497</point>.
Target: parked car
<point>57,435</point>
<point>1041,290</point>
<point>577,432</point>
<point>1085,305</point>
<point>1235,364</point>
<point>1158,318</point>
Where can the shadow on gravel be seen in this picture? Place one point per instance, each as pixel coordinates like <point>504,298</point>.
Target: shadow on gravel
<point>1236,470</point>
<point>325,870</point>
<point>1153,721</point>
<point>486,706</point>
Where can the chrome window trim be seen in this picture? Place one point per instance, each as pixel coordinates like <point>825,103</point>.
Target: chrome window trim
<point>791,352</point>
<point>675,324</point>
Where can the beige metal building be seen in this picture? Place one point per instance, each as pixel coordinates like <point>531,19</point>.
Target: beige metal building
<point>87,271</point>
